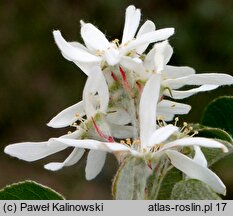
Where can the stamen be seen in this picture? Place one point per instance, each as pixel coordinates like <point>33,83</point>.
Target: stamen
<point>185,124</point>
<point>116,41</point>
<point>161,121</point>
<point>195,133</point>
<point>176,121</point>
<point>128,141</point>
<point>99,52</point>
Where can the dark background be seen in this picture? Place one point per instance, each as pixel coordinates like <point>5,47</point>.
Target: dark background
<point>36,82</point>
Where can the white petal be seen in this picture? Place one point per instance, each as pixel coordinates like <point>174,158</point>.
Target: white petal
<point>173,72</point>
<point>148,26</point>
<point>93,38</point>
<point>121,132</point>
<point>176,94</point>
<point>162,134</point>
<point>132,19</point>
<point>171,107</point>
<point>199,157</point>
<point>112,56</point>
<point>165,116</point>
<point>93,144</point>
<point>196,171</point>
<point>73,158</point>
<point>95,163</point>
<point>163,53</point>
<point>147,108</point>
<point>87,67</point>
<point>73,53</point>
<point>150,37</point>
<point>199,141</point>
<point>67,116</point>
<point>32,151</point>
<point>200,79</point>
<point>95,83</point>
<point>118,116</point>
<point>133,65</point>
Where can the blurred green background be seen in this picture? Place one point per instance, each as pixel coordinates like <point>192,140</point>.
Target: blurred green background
<point>36,82</point>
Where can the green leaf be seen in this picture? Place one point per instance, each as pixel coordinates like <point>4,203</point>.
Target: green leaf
<point>219,114</point>
<point>171,177</point>
<point>210,132</point>
<point>193,189</point>
<point>29,190</point>
<point>130,180</point>
<point>213,155</point>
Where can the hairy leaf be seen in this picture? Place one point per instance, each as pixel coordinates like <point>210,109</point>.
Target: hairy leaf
<point>28,190</point>
<point>219,114</point>
<point>193,189</point>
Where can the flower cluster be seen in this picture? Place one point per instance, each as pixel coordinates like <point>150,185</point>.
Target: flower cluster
<point>128,100</point>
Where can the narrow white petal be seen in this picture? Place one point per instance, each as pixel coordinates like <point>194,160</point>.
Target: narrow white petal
<point>95,163</point>
<point>171,107</point>
<point>148,26</point>
<point>162,134</point>
<point>150,37</point>
<point>73,53</point>
<point>87,67</point>
<point>67,116</point>
<point>173,72</point>
<point>93,144</point>
<point>132,19</point>
<point>196,171</point>
<point>165,116</point>
<point>178,94</point>
<point>32,151</point>
<point>147,108</point>
<point>94,38</point>
<point>112,56</point>
<point>200,79</point>
<point>73,158</point>
<point>199,157</point>
<point>133,65</point>
<point>163,53</point>
<point>95,84</point>
<point>149,63</point>
<point>199,141</point>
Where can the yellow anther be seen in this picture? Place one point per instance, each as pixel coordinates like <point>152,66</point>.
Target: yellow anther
<point>116,41</point>
<point>122,142</point>
<point>195,133</point>
<point>185,124</point>
<point>77,115</point>
<point>128,141</point>
<point>99,52</point>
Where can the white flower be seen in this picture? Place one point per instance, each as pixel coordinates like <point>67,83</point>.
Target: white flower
<point>155,142</point>
<point>95,100</point>
<point>174,77</point>
<point>99,50</point>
